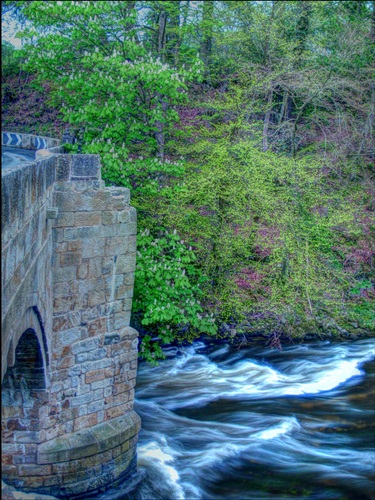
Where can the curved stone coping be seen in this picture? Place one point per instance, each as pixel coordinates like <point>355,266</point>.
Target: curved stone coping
<point>28,141</point>
<point>91,441</point>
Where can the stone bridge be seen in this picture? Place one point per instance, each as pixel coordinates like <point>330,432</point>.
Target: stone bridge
<point>69,357</point>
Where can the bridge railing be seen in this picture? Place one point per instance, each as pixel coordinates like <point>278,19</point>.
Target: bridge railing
<point>29,141</point>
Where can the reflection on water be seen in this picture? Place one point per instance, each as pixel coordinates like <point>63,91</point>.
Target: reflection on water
<point>257,424</point>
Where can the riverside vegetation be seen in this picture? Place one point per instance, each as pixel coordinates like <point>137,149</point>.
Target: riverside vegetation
<point>245,133</point>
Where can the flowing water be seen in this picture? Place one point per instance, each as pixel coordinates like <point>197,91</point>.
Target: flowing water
<point>221,423</point>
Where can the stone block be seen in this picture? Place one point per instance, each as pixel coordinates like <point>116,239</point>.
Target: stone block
<point>117,411</point>
<point>81,358</point>
<point>96,297</point>
<point>109,217</point>
<point>83,270</point>
<point>51,481</point>
<point>68,273</point>
<point>64,219</point>
<point>85,345</point>
<point>95,267</point>
<point>86,165</point>
<point>126,263</point>
<point>107,436</point>
<point>89,232</point>
<point>87,218</point>
<point>98,396</point>
<point>96,365</point>
<point>122,320</point>
<point>127,425</point>
<point>57,450</point>
<point>74,246</point>
<point>70,259</point>
<point>111,338</point>
<point>66,363</point>
<point>96,327</point>
<point>107,392</point>
<point>97,354</point>
<point>95,375</point>
<point>123,216</point>
<point>117,399</point>
<point>62,304</point>
<point>74,371</point>
<point>60,247</point>
<point>93,248</point>
<point>63,167</point>
<point>82,410</point>
<point>85,200</point>
<point>127,229</point>
<point>123,387</point>
<point>61,289</point>
<point>132,246</point>
<point>127,304</point>
<point>82,444</point>
<point>116,245</point>
<point>34,470</point>
<point>129,279</point>
<point>67,337</point>
<point>86,421</point>
<point>101,384</point>
<point>124,292</point>
<point>82,399</point>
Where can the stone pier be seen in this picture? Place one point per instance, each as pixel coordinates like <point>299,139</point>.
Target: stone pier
<point>69,357</point>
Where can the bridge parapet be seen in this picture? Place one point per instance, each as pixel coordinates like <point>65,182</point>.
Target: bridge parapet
<point>28,141</point>
<point>69,248</point>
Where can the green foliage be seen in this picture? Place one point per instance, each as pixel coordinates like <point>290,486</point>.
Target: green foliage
<point>265,228</point>
<point>276,194</point>
<point>167,290</point>
<point>10,60</point>
<point>105,82</point>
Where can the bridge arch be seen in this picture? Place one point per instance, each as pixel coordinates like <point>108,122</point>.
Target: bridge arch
<point>31,324</point>
<point>24,393</point>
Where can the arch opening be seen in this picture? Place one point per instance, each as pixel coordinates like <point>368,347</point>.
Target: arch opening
<point>27,372</point>
<point>24,397</point>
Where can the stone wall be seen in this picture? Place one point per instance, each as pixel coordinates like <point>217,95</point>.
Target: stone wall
<point>26,278</point>
<point>68,273</point>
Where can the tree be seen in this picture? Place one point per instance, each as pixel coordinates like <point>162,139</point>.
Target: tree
<point>105,81</point>
<point>123,98</point>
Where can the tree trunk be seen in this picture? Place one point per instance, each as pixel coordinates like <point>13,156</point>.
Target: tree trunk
<point>184,14</point>
<point>173,37</point>
<point>162,35</point>
<point>160,135</point>
<point>266,122</point>
<point>207,31</point>
<point>303,27</point>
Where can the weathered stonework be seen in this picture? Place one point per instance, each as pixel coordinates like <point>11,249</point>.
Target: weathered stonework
<point>69,357</point>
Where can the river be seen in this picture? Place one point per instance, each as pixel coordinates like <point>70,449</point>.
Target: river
<point>257,423</point>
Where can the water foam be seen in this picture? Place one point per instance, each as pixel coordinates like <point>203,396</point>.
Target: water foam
<point>154,455</point>
<point>204,381</point>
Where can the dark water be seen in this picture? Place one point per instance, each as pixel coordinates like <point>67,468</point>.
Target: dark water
<point>219,423</point>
